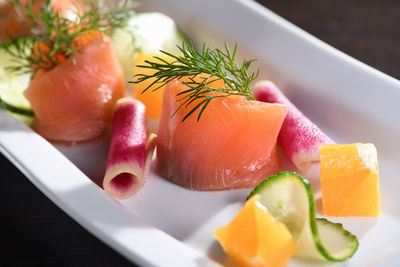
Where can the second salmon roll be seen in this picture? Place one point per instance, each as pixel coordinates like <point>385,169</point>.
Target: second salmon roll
<point>233,145</point>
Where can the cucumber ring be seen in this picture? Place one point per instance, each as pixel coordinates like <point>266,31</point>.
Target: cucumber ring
<point>14,109</point>
<point>12,87</point>
<point>289,197</point>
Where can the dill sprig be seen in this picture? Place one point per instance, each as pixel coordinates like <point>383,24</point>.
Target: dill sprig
<point>202,69</point>
<point>53,37</point>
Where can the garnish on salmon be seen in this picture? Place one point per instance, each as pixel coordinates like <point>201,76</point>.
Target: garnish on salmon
<point>14,18</point>
<point>53,36</point>
<point>200,70</point>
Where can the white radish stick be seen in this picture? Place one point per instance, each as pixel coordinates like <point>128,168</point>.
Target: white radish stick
<point>131,150</point>
<point>298,137</point>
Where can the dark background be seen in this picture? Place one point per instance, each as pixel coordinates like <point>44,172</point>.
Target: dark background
<point>33,231</point>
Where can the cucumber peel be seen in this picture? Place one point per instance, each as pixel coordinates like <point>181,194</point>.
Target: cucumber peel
<point>12,86</point>
<point>290,199</point>
<point>14,109</point>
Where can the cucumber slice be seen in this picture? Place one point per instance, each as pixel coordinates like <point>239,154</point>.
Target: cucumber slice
<point>289,197</point>
<point>12,86</point>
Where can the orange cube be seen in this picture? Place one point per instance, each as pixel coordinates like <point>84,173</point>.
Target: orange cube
<point>350,180</point>
<point>256,238</point>
<point>151,99</point>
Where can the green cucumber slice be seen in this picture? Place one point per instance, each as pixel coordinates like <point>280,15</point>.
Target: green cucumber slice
<point>12,86</point>
<point>290,199</point>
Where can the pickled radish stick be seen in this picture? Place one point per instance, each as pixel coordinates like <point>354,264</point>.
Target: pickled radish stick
<point>299,137</point>
<point>130,151</point>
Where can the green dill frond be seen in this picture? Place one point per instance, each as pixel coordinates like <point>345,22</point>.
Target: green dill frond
<point>202,69</point>
<point>53,37</point>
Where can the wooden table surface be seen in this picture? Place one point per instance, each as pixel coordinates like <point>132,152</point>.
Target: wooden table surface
<point>36,232</point>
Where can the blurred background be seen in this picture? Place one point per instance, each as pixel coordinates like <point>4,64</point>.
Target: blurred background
<point>367,30</point>
<point>36,232</point>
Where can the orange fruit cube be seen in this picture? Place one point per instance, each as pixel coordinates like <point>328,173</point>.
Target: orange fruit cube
<point>151,99</point>
<point>350,180</point>
<point>256,238</point>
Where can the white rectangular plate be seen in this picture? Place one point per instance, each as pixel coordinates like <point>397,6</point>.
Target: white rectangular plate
<point>166,225</point>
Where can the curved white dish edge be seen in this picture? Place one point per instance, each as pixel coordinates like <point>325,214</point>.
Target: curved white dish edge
<point>101,215</point>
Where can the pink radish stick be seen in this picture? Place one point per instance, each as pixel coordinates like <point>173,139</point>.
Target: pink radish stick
<point>130,151</point>
<point>299,137</point>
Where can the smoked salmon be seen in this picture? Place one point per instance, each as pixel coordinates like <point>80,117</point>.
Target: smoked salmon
<point>10,19</point>
<point>74,101</point>
<point>231,146</point>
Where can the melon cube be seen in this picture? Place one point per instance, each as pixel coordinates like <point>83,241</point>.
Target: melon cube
<point>350,180</point>
<point>256,238</point>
